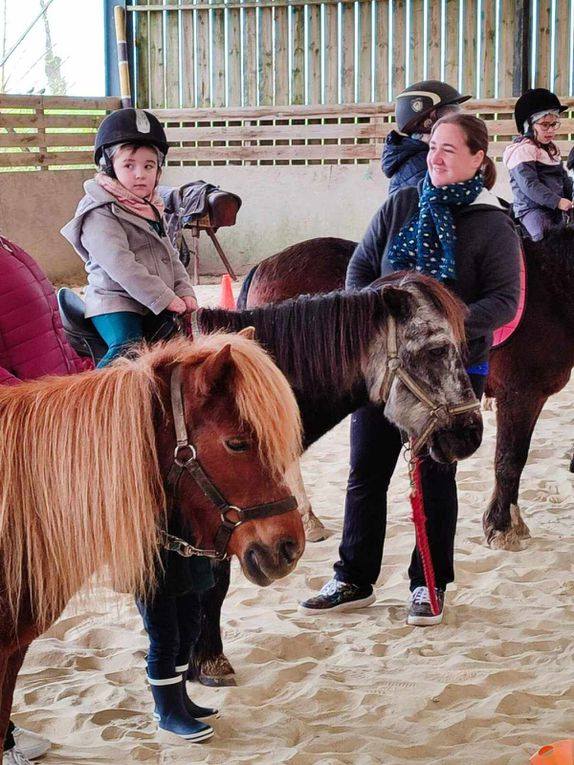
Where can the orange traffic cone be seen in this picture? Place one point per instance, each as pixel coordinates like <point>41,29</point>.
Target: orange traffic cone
<point>559,753</point>
<point>226,299</point>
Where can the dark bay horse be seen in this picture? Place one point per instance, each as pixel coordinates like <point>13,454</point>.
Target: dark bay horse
<point>532,365</point>
<point>96,466</point>
<point>334,351</point>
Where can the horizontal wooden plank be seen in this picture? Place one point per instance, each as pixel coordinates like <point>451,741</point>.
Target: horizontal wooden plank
<point>42,120</point>
<point>496,148</point>
<point>235,5</point>
<point>275,112</point>
<point>106,103</point>
<point>15,140</point>
<point>324,151</point>
<point>45,159</point>
<point>278,132</point>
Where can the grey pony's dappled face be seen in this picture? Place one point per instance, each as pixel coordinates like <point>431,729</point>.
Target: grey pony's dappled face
<point>429,353</point>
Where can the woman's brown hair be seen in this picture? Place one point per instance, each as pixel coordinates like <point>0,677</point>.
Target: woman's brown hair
<point>476,138</point>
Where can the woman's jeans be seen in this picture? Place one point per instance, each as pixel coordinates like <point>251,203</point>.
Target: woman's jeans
<point>375,448</point>
<point>118,330</point>
<point>172,625</point>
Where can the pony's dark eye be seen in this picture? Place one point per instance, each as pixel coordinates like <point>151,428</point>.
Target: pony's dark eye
<point>238,445</point>
<point>438,353</point>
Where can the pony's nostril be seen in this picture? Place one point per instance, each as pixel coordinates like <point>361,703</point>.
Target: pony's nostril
<point>288,550</point>
<point>251,558</point>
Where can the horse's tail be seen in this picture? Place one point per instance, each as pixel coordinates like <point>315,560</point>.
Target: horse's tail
<point>241,303</point>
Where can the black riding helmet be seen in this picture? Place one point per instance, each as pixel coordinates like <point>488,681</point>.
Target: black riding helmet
<point>421,98</point>
<point>534,101</point>
<point>129,126</point>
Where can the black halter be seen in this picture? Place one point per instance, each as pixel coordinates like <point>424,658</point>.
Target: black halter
<point>185,459</point>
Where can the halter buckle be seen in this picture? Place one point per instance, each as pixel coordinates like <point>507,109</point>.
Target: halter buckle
<point>232,509</point>
<point>182,461</point>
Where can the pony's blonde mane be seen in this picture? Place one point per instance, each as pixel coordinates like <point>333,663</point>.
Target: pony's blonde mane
<point>80,486</point>
<point>80,480</point>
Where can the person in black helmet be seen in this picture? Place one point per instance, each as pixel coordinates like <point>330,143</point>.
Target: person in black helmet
<point>118,230</point>
<point>417,108</point>
<point>133,271</point>
<point>541,186</point>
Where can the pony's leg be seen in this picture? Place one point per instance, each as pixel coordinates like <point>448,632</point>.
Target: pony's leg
<point>10,664</point>
<point>208,664</point>
<point>314,529</point>
<point>516,416</point>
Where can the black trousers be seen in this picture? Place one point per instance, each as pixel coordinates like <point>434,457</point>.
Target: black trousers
<point>172,625</point>
<point>375,448</point>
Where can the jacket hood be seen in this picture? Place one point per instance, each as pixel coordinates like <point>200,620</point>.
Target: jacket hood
<point>400,149</point>
<point>511,149</point>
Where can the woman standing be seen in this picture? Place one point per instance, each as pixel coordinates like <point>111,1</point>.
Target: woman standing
<point>454,229</point>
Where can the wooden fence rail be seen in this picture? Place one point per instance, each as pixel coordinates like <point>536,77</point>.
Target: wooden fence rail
<point>55,132</point>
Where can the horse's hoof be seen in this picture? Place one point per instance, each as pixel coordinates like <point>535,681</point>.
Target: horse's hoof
<point>223,681</point>
<point>217,672</point>
<point>314,529</point>
<point>505,540</point>
<point>511,539</point>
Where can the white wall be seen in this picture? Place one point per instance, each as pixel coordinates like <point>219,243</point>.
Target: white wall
<point>281,205</point>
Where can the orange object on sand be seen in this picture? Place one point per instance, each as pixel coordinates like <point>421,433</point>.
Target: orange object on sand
<point>558,753</point>
<point>226,299</point>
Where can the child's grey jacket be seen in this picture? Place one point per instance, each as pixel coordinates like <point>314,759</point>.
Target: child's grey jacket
<point>537,180</point>
<point>130,266</point>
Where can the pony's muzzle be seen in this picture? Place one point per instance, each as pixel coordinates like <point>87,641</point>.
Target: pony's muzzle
<point>262,564</point>
<point>458,441</point>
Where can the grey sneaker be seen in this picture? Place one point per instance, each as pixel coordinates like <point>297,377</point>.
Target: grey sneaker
<point>30,744</point>
<point>15,757</point>
<point>338,596</point>
<point>419,611</point>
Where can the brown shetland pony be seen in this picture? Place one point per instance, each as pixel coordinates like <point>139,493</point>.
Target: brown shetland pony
<point>84,461</point>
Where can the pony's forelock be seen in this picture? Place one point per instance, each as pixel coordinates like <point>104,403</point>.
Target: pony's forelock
<point>445,301</point>
<point>263,397</point>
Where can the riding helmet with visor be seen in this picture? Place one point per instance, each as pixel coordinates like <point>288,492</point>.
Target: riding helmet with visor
<point>133,126</point>
<point>414,106</point>
<point>533,105</point>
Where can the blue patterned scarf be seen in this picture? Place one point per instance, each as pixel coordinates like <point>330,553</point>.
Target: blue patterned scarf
<point>427,242</point>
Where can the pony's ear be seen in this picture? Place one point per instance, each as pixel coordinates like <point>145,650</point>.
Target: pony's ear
<point>215,370</point>
<point>398,301</point>
<point>248,332</point>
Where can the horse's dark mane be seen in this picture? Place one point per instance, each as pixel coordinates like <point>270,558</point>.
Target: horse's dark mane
<point>346,323</point>
<point>553,256</point>
<point>332,330</point>
<point>445,301</point>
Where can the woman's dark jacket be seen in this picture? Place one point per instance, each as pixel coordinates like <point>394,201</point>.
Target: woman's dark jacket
<point>487,261</point>
<point>404,160</point>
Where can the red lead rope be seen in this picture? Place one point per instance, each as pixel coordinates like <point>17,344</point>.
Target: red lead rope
<point>419,519</point>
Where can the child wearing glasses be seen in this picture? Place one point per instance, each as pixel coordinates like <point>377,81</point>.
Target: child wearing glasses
<point>541,186</point>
